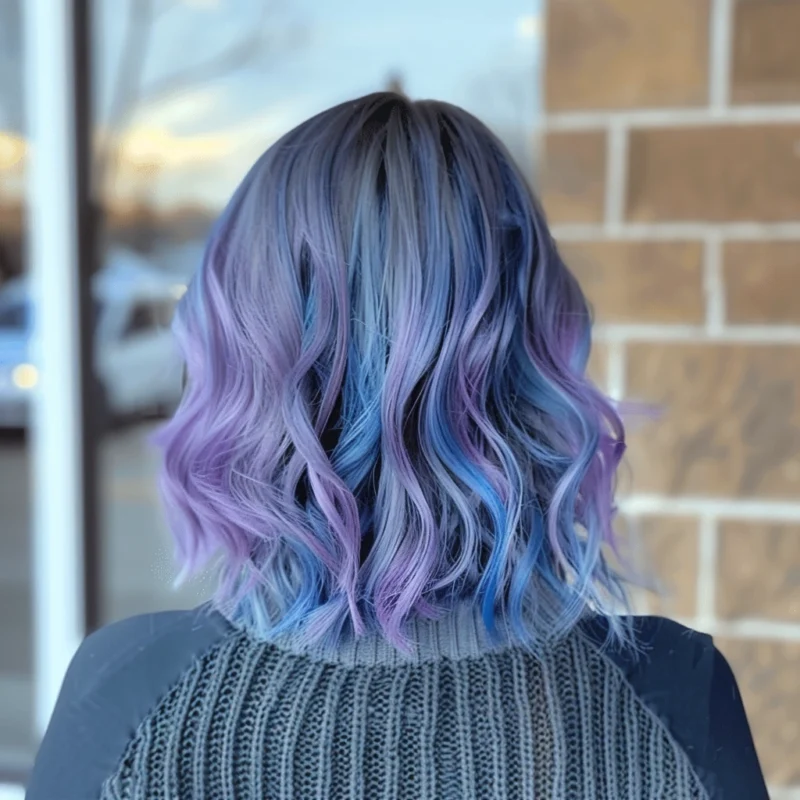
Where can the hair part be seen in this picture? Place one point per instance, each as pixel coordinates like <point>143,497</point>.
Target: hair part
<point>387,409</point>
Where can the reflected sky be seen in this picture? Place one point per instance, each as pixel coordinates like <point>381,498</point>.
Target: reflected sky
<point>194,144</point>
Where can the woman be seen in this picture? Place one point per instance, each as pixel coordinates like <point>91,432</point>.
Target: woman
<point>389,444</point>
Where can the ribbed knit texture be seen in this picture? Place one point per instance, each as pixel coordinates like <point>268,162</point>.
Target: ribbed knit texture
<point>461,719</point>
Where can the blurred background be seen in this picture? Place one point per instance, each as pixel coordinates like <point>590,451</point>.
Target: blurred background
<point>664,140</point>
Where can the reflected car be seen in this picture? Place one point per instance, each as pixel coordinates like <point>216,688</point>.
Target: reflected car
<point>138,369</point>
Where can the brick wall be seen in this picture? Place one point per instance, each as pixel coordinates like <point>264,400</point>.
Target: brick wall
<point>670,173</point>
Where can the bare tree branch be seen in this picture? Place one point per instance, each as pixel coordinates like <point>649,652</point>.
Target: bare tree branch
<point>165,7</point>
<point>237,55</point>
<point>129,91</point>
<point>11,64</point>
<point>127,88</point>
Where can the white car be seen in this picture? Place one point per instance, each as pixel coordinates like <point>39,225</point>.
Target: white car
<point>136,361</point>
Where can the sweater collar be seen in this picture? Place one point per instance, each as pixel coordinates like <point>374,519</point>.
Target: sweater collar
<point>459,634</point>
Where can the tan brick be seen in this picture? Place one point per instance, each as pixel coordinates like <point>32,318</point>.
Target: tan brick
<point>714,174</point>
<point>765,57</point>
<point>766,672</point>
<point>626,53</point>
<point>666,553</point>
<point>574,176</point>
<point>640,281</point>
<point>729,420</point>
<point>626,559</point>
<point>759,571</point>
<point>762,282</point>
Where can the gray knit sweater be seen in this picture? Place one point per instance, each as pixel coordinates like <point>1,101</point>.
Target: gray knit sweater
<point>187,706</point>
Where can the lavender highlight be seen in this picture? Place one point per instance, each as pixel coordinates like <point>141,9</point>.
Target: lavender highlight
<point>387,410</point>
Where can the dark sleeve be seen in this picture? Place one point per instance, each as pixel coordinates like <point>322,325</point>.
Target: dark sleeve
<point>115,679</point>
<point>730,753</point>
<point>687,683</point>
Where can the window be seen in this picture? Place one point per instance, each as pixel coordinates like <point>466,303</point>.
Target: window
<point>14,316</point>
<point>164,310</point>
<point>141,320</point>
<point>149,316</point>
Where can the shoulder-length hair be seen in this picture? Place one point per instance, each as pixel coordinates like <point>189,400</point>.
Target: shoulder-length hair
<point>387,409</point>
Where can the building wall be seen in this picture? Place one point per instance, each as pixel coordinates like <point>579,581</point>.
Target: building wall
<point>671,177</point>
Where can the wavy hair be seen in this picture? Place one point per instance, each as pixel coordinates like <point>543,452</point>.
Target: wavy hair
<point>387,409</point>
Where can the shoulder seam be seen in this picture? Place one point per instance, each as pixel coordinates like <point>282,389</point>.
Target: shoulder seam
<point>123,660</point>
<point>661,723</point>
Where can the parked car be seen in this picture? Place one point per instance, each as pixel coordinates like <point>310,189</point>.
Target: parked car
<point>137,366</point>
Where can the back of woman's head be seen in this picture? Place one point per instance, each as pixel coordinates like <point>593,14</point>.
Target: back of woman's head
<point>387,411</point>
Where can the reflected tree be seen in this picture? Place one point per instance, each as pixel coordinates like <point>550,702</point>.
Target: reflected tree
<point>395,83</point>
<point>262,35</point>
<point>10,66</point>
<point>11,119</point>
<point>258,41</point>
